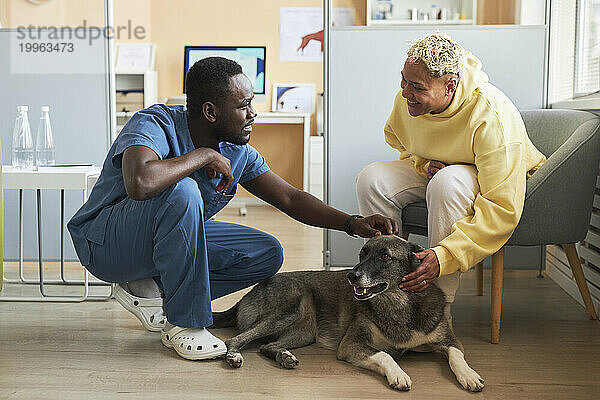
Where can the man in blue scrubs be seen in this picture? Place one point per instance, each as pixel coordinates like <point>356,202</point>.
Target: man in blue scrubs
<point>147,222</point>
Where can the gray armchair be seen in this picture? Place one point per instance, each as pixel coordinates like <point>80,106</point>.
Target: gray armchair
<point>558,200</point>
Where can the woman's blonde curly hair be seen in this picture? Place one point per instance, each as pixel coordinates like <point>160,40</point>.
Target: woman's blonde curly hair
<point>440,54</point>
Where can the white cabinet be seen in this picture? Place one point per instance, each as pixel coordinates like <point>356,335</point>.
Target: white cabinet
<point>135,90</point>
<point>421,12</point>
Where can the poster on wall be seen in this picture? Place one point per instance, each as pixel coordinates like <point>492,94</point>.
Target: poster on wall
<point>135,56</point>
<point>301,31</point>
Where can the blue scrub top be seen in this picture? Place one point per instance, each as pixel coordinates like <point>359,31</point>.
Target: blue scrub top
<point>164,130</point>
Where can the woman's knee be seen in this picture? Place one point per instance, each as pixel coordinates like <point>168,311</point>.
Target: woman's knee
<point>367,179</point>
<point>453,182</point>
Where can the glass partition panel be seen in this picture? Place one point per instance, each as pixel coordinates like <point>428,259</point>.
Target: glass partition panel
<point>51,13</point>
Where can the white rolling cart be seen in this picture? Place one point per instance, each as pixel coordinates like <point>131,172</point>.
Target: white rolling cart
<point>58,178</point>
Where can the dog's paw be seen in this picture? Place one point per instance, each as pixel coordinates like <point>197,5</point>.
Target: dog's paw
<point>399,381</point>
<point>286,359</point>
<point>470,380</point>
<point>234,359</point>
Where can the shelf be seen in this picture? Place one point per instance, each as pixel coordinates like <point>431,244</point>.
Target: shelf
<point>145,82</point>
<point>401,12</point>
<point>391,22</point>
<point>283,118</point>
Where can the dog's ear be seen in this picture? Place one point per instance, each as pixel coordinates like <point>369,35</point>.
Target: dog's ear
<point>415,248</point>
<point>414,261</point>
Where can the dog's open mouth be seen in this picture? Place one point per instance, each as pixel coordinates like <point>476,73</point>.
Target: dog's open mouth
<point>364,293</point>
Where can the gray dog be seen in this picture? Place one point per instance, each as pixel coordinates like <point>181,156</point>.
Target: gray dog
<point>365,322</point>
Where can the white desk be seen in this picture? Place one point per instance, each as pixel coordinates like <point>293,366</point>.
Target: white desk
<point>58,178</point>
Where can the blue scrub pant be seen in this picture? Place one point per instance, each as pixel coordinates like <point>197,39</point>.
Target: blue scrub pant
<point>195,260</point>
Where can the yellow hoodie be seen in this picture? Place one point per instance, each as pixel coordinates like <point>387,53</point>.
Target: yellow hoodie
<point>483,128</point>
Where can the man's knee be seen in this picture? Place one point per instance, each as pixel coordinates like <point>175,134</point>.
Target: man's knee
<point>273,256</point>
<point>184,194</point>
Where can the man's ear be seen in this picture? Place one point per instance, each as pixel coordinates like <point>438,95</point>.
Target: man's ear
<point>209,110</point>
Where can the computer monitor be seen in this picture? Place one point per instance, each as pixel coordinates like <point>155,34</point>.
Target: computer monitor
<point>252,60</point>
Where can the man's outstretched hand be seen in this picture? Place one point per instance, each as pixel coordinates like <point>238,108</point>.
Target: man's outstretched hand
<point>374,225</point>
<point>421,278</point>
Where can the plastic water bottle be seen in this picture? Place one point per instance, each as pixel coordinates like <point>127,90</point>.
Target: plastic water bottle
<point>433,13</point>
<point>44,145</point>
<point>22,150</point>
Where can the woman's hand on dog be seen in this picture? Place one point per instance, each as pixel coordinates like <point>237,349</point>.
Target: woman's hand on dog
<point>374,225</point>
<point>422,277</point>
<point>434,167</point>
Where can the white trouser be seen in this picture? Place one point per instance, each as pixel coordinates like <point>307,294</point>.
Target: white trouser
<point>386,187</point>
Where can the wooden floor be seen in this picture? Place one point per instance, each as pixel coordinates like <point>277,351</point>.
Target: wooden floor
<point>97,350</point>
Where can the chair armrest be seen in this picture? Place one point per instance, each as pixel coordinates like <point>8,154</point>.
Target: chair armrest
<point>559,196</point>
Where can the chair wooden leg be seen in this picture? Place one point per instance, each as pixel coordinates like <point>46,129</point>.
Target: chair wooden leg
<point>575,264</point>
<point>497,278</point>
<point>479,269</point>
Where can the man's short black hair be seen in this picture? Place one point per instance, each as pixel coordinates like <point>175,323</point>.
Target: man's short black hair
<point>208,80</point>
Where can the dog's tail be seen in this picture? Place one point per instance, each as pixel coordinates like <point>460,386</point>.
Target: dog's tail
<point>225,319</point>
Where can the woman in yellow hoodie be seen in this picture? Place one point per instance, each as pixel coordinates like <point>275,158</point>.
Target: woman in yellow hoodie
<point>464,149</point>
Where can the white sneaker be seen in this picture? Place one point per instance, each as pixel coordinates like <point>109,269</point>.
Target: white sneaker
<point>148,310</point>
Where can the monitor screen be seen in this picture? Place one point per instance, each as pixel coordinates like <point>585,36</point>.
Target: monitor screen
<point>252,60</point>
